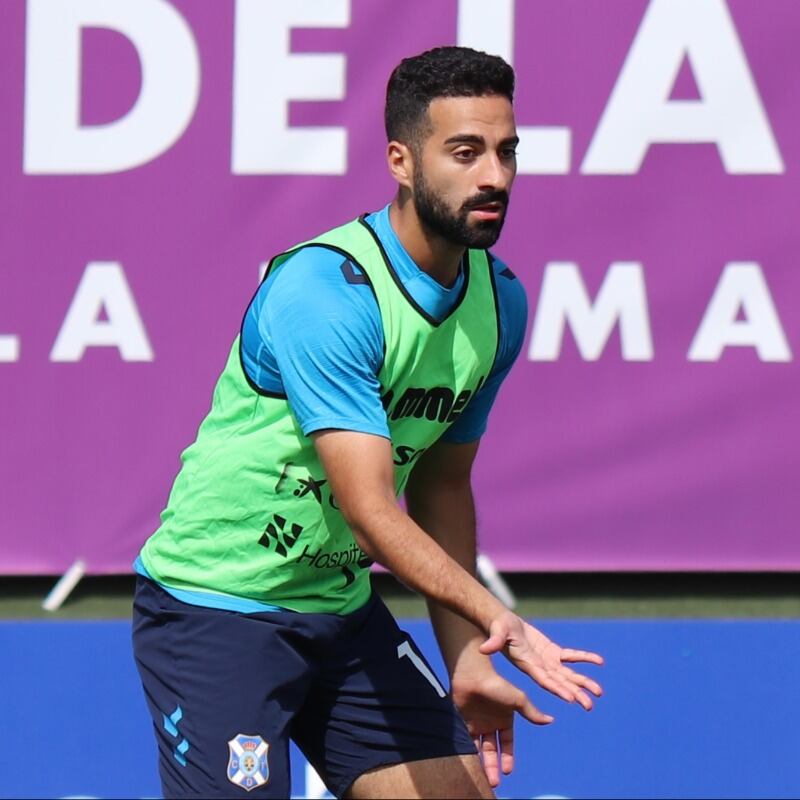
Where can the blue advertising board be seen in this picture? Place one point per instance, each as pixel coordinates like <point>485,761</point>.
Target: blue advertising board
<point>691,709</point>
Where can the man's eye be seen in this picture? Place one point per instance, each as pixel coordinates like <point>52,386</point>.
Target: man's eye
<point>509,152</point>
<point>464,155</point>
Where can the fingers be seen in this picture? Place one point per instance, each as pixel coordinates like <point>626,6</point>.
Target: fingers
<point>568,654</point>
<point>577,683</point>
<point>506,738</point>
<point>555,676</point>
<point>554,683</point>
<point>489,757</point>
<point>494,644</point>
<point>573,693</point>
<point>561,685</point>
<point>497,754</point>
<point>584,700</point>
<point>531,713</point>
<point>584,682</point>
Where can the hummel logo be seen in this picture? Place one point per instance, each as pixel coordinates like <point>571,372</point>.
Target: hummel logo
<point>350,274</point>
<point>283,539</point>
<point>508,274</point>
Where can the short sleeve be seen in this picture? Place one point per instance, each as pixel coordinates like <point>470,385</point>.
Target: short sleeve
<point>319,334</point>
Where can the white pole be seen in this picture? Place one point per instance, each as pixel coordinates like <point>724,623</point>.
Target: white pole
<point>493,580</point>
<point>65,584</point>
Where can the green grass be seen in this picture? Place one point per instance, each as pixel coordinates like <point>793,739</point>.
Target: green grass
<point>543,596</point>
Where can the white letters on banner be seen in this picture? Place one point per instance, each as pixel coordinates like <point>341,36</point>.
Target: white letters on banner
<point>102,287</point>
<point>741,288</point>
<point>622,299</point>
<point>55,142</point>
<point>741,313</point>
<point>639,112</point>
<point>267,76</point>
<point>564,300</point>
<point>490,27</point>
<point>9,348</point>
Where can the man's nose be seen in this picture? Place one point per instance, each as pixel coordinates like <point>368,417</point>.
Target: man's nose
<point>494,174</point>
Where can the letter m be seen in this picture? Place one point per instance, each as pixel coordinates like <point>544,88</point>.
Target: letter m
<point>564,301</point>
<point>408,403</point>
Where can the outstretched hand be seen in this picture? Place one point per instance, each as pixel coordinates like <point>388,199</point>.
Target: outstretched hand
<point>533,653</point>
<point>488,703</point>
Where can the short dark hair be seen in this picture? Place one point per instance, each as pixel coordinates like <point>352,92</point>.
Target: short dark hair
<point>440,72</point>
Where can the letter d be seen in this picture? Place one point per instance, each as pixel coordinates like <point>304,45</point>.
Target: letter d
<point>55,142</point>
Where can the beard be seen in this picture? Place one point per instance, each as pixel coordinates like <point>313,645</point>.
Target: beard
<point>455,227</point>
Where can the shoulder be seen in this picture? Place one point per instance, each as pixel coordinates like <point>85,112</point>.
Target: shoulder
<point>319,268</point>
<point>316,292</point>
<point>318,281</point>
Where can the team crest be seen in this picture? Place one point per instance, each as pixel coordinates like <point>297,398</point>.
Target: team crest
<point>247,765</point>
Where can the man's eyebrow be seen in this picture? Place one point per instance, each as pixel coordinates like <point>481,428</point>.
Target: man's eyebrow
<point>471,138</point>
<point>465,138</point>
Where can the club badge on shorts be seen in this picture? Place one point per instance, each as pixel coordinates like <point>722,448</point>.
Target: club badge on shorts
<point>247,765</point>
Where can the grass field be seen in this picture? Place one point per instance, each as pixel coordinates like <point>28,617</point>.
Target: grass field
<point>545,596</point>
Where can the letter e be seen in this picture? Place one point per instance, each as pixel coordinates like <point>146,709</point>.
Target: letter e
<point>266,76</point>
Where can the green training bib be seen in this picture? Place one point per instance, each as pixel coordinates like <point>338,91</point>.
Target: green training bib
<point>251,513</point>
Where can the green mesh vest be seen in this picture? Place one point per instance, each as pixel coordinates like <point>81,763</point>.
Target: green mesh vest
<point>251,514</point>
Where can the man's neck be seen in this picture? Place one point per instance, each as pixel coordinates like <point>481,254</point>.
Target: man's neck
<point>431,253</point>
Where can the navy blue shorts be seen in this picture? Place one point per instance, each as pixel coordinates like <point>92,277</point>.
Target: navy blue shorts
<point>227,691</point>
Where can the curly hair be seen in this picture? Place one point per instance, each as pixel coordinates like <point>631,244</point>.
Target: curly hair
<point>440,72</point>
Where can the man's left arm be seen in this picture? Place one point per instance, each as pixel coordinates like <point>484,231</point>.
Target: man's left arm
<point>439,499</point>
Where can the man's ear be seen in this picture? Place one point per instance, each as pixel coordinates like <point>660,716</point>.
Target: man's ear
<point>401,163</point>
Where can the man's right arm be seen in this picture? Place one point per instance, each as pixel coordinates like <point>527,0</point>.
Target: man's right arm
<point>360,470</point>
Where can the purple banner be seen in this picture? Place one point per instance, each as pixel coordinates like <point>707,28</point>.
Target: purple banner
<point>154,154</point>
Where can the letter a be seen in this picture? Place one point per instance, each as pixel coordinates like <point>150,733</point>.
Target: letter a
<point>103,286</point>
<point>640,113</point>
<point>741,287</point>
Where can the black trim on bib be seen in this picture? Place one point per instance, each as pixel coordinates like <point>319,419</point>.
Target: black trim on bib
<point>280,395</point>
<point>250,382</point>
<point>491,260</point>
<point>465,262</point>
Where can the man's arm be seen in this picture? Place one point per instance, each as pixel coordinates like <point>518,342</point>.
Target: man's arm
<point>360,470</point>
<point>439,499</point>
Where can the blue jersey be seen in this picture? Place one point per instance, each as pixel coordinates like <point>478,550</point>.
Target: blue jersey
<point>313,333</point>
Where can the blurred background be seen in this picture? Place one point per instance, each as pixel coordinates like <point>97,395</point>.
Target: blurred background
<point>637,484</point>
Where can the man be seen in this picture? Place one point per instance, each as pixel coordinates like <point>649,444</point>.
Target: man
<point>367,363</point>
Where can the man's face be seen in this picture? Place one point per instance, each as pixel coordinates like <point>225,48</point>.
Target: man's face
<point>463,171</point>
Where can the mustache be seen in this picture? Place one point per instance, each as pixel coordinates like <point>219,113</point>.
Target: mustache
<point>484,198</point>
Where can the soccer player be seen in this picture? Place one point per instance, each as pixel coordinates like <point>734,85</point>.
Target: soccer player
<point>366,366</point>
